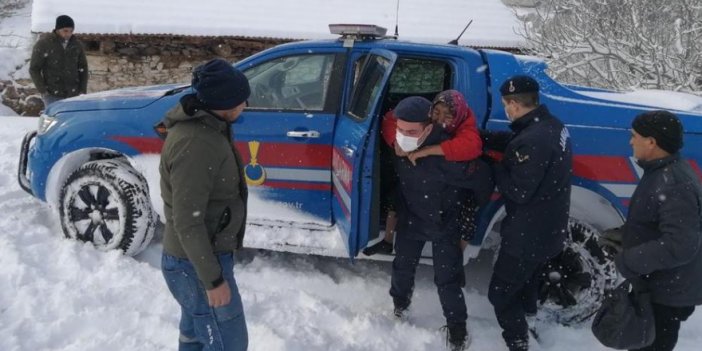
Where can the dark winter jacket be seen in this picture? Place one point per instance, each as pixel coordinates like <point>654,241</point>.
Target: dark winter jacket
<point>534,181</point>
<point>432,194</point>
<point>662,236</point>
<point>57,71</point>
<point>203,189</point>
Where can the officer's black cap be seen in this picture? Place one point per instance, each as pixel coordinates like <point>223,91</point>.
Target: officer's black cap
<point>413,109</point>
<point>519,85</point>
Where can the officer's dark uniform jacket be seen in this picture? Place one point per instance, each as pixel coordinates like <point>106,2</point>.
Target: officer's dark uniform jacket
<point>432,193</point>
<point>662,234</point>
<point>534,180</point>
<point>57,71</point>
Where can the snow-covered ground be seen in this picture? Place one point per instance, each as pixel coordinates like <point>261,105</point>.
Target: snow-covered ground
<point>58,294</point>
<point>15,43</point>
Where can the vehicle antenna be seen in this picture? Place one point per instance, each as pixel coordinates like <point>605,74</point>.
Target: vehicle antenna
<point>455,41</point>
<point>397,15</point>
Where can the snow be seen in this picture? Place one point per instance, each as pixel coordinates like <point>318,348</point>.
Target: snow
<point>657,98</point>
<point>6,111</point>
<point>15,45</point>
<point>59,294</point>
<point>494,24</point>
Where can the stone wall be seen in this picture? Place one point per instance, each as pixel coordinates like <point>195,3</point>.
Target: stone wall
<point>118,61</point>
<point>146,60</point>
<point>21,96</point>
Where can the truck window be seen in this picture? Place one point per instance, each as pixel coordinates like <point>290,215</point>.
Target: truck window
<point>411,76</point>
<point>368,86</point>
<point>419,76</point>
<point>291,83</point>
<point>416,77</point>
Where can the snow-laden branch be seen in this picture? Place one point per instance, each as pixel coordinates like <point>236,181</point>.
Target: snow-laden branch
<point>620,44</point>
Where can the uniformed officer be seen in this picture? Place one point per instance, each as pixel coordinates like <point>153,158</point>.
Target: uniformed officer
<point>534,180</point>
<point>431,195</point>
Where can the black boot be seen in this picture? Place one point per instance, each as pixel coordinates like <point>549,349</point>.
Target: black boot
<point>518,344</point>
<point>381,246</point>
<point>457,337</point>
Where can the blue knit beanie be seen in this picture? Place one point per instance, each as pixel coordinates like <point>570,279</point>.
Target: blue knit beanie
<point>219,85</point>
<point>413,109</point>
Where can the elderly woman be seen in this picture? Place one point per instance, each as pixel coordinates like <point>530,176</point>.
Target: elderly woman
<point>450,111</point>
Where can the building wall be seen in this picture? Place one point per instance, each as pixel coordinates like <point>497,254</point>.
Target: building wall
<point>116,62</point>
<point>137,60</point>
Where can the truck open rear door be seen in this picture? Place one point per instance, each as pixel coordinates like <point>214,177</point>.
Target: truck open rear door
<point>353,154</point>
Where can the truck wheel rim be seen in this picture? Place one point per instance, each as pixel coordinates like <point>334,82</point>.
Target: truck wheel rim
<point>95,214</point>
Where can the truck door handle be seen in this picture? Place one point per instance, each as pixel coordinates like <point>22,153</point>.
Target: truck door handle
<point>348,151</point>
<point>305,134</point>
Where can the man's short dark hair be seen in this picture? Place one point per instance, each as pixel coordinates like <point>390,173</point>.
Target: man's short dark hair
<point>524,99</point>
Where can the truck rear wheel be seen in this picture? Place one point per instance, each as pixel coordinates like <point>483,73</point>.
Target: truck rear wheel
<point>106,202</point>
<point>573,283</point>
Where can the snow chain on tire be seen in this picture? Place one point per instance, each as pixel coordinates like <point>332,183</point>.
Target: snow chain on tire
<point>106,202</point>
<point>574,283</point>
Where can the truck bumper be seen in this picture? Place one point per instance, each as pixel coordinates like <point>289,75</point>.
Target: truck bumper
<point>22,177</point>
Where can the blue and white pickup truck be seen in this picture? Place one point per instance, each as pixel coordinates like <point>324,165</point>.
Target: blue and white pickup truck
<point>310,139</point>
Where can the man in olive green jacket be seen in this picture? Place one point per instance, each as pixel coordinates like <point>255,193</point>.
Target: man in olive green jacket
<point>204,195</point>
<point>58,67</point>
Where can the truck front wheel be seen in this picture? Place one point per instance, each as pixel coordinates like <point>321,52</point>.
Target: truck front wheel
<point>573,283</point>
<point>106,202</point>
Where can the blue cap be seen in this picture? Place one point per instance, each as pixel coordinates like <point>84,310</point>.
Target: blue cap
<point>413,109</point>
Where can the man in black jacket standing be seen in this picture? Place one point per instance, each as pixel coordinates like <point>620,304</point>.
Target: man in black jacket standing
<point>661,240</point>
<point>534,181</point>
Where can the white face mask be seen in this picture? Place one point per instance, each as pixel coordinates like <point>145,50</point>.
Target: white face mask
<point>406,143</point>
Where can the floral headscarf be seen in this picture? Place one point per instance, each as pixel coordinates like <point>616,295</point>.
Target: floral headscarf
<point>456,104</point>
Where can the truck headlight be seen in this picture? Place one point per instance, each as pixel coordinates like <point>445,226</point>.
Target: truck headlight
<point>45,123</point>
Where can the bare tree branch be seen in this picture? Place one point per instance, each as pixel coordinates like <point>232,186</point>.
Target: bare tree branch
<point>620,44</point>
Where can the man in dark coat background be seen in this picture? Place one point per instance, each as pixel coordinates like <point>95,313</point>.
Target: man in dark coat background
<point>534,181</point>
<point>661,239</point>
<point>58,66</point>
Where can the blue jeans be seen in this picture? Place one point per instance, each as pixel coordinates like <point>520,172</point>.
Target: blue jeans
<point>204,328</point>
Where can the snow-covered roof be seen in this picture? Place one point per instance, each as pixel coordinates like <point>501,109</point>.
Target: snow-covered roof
<point>494,24</point>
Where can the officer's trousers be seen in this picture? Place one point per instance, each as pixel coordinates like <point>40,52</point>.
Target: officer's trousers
<point>514,293</point>
<point>449,275</point>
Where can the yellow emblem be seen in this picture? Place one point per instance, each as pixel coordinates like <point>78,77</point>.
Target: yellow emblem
<point>254,173</point>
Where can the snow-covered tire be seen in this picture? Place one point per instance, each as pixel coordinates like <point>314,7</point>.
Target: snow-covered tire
<point>573,284</point>
<point>106,202</point>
